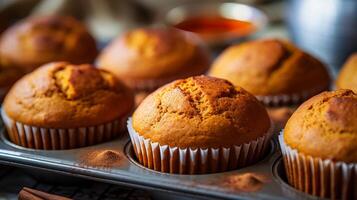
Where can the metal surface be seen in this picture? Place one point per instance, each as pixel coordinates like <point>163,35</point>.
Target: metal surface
<point>326,28</point>
<point>132,174</point>
<point>12,180</point>
<point>226,10</point>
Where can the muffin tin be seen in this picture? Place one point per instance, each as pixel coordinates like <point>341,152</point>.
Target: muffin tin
<point>131,173</point>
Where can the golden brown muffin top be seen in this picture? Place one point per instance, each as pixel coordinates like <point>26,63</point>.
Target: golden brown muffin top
<point>39,40</point>
<point>154,53</point>
<point>270,67</point>
<point>201,112</point>
<point>62,95</point>
<point>325,126</point>
<point>347,78</point>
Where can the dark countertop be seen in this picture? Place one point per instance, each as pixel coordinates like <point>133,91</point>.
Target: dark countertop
<point>12,180</point>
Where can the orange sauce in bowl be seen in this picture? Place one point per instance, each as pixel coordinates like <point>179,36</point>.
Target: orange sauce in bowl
<point>216,26</point>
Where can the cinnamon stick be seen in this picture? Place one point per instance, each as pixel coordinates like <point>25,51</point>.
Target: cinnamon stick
<point>31,194</point>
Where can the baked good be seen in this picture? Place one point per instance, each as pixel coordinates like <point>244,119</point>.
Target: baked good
<point>61,105</point>
<point>201,114</point>
<point>322,136</point>
<point>328,119</point>
<point>35,41</point>
<point>148,58</point>
<point>271,67</point>
<point>275,71</point>
<point>199,108</point>
<point>347,77</point>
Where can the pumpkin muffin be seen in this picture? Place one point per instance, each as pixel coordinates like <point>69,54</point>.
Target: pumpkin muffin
<point>204,117</point>
<point>35,41</point>
<point>322,136</point>
<point>148,58</point>
<point>271,67</point>
<point>275,71</point>
<point>347,78</point>
<point>61,106</point>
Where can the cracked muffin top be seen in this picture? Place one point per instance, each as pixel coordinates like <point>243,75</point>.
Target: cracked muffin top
<point>155,53</point>
<point>62,95</point>
<point>35,41</point>
<point>271,67</point>
<point>347,77</point>
<point>325,126</point>
<point>201,112</point>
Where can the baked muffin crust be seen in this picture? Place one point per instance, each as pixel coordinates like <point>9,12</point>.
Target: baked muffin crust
<point>39,40</point>
<point>161,54</point>
<point>62,95</point>
<point>271,67</point>
<point>347,78</point>
<point>325,126</point>
<point>201,112</point>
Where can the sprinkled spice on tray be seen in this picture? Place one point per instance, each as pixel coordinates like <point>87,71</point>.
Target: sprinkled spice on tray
<point>101,158</point>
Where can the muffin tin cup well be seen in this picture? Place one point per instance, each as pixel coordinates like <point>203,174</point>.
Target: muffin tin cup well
<point>177,160</point>
<point>58,139</point>
<point>320,177</point>
<point>288,99</point>
<point>131,174</point>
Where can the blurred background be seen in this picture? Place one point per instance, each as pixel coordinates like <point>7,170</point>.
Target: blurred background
<point>325,28</point>
<point>108,18</point>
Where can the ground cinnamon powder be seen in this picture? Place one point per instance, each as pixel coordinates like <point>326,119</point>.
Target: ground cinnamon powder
<point>246,182</point>
<point>101,158</point>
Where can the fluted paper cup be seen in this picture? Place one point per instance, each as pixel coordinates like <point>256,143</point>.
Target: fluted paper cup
<point>169,159</point>
<point>55,139</point>
<point>288,99</point>
<point>320,177</point>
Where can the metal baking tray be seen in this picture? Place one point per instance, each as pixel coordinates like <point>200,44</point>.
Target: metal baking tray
<point>162,185</point>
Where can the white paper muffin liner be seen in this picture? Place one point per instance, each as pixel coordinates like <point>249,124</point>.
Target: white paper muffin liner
<point>320,177</point>
<point>288,99</point>
<point>57,139</point>
<point>168,159</point>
